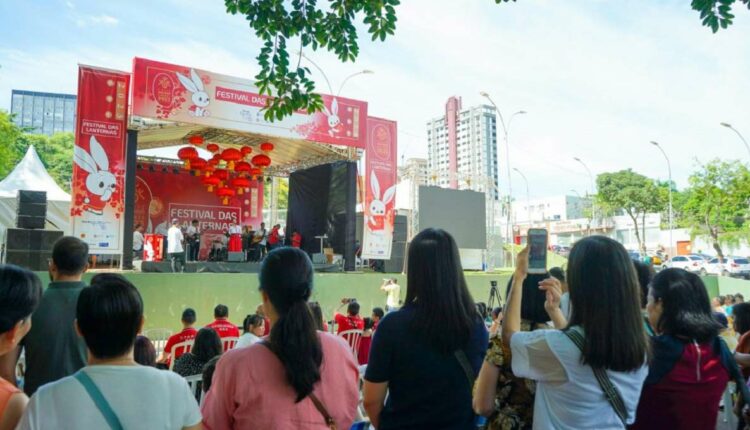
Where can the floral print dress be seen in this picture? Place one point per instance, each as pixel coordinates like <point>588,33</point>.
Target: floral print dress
<point>514,397</point>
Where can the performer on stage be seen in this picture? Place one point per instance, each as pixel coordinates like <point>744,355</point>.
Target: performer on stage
<point>235,238</point>
<point>193,240</point>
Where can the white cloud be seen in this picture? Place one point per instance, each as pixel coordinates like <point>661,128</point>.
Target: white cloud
<point>102,19</point>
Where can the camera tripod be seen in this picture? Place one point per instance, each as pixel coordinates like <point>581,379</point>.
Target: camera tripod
<point>494,297</point>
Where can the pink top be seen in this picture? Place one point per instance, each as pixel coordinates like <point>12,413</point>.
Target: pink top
<point>250,391</point>
<point>7,390</point>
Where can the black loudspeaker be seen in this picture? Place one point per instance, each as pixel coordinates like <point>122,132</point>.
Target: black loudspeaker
<point>30,222</point>
<point>32,209</point>
<point>26,196</point>
<point>19,258</point>
<point>43,240</point>
<point>30,248</point>
<point>17,238</point>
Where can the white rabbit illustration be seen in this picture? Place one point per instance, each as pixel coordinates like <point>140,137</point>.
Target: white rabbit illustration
<point>376,222</point>
<point>194,84</point>
<point>100,181</point>
<point>333,117</point>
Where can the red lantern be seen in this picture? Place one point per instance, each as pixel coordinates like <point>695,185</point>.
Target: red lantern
<point>266,146</point>
<point>187,154</point>
<point>196,139</point>
<point>212,147</point>
<point>242,167</point>
<point>222,174</point>
<point>246,150</point>
<point>198,164</point>
<point>261,160</point>
<point>225,193</point>
<point>240,184</point>
<point>230,155</point>
<point>211,182</point>
<point>209,169</point>
<point>255,172</point>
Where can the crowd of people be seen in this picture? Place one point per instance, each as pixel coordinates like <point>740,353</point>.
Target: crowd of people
<point>606,344</point>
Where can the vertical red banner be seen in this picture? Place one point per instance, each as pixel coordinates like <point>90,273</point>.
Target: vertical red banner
<point>98,185</point>
<point>380,188</point>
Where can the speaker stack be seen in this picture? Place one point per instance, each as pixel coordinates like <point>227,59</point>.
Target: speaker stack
<point>29,245</point>
<point>398,248</point>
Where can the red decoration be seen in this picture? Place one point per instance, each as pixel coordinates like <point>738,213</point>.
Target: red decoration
<point>209,169</point>
<point>196,139</point>
<point>255,172</point>
<point>187,154</point>
<point>242,184</point>
<point>230,155</point>
<point>266,146</point>
<point>212,147</point>
<point>261,160</point>
<point>211,182</point>
<point>246,150</point>
<point>242,167</point>
<point>225,193</point>
<point>198,164</point>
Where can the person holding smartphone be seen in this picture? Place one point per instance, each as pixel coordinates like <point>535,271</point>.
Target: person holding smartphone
<point>393,293</point>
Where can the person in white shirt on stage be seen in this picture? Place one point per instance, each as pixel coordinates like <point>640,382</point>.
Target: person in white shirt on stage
<point>138,242</point>
<point>393,293</point>
<point>174,247</point>
<point>262,233</point>
<point>193,240</point>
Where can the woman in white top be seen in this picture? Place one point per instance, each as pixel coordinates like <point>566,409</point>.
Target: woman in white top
<point>605,311</point>
<point>254,327</point>
<point>112,391</point>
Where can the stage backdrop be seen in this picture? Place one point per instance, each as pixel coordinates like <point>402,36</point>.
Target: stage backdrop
<point>380,189</point>
<point>180,93</point>
<point>97,199</point>
<point>164,192</point>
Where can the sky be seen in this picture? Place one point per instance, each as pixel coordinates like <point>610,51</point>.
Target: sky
<point>599,79</point>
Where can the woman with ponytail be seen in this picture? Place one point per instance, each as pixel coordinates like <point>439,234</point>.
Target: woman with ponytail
<point>297,377</point>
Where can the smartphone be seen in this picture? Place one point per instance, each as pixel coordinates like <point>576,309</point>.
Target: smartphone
<point>537,250</point>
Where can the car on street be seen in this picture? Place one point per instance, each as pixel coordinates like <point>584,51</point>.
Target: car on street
<point>691,262</point>
<point>738,267</point>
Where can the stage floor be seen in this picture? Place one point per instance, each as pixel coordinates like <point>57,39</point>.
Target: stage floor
<point>222,267</point>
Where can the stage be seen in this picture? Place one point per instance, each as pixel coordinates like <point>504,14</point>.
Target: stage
<point>222,267</point>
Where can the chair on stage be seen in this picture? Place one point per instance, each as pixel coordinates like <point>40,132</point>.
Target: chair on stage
<point>185,347</point>
<point>159,337</point>
<point>353,338</point>
<point>229,342</point>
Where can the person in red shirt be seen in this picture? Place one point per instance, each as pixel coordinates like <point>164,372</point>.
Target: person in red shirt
<point>296,239</point>
<point>222,325</point>
<point>187,333</point>
<point>350,321</point>
<point>274,238</point>
<point>377,315</point>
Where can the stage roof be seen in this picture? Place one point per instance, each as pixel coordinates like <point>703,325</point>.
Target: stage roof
<point>288,155</point>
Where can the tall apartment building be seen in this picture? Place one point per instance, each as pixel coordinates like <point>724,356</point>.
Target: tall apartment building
<point>44,113</point>
<point>462,148</point>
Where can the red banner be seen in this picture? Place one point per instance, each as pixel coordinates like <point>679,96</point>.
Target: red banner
<point>380,188</point>
<point>178,93</point>
<point>99,159</point>
<point>163,193</point>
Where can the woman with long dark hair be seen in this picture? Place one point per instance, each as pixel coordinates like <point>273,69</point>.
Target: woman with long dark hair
<point>691,365</point>
<point>427,354</point>
<point>207,345</point>
<point>299,377</point>
<point>603,347</point>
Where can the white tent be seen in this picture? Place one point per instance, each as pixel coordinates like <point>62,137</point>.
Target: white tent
<point>30,174</point>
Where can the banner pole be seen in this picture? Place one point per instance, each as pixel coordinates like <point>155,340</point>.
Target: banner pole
<point>131,149</point>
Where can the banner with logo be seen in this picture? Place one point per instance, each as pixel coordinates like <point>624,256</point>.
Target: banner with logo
<point>183,94</point>
<point>164,192</point>
<point>380,188</point>
<point>97,195</point>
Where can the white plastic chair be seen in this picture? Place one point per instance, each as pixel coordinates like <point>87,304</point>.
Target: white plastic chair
<point>193,383</point>
<point>159,337</point>
<point>353,338</point>
<point>229,342</point>
<point>729,416</point>
<point>185,347</point>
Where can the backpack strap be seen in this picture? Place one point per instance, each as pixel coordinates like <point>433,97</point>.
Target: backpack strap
<point>463,360</point>
<point>101,403</point>
<point>610,391</point>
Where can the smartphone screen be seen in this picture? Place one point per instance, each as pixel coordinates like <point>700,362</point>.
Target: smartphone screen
<point>537,250</point>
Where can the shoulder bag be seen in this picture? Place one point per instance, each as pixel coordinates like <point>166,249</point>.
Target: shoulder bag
<point>101,403</point>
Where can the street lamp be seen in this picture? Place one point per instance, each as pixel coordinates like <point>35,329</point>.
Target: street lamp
<point>729,126</point>
<point>669,170</point>
<point>330,88</point>
<point>528,200</point>
<point>593,187</point>
<point>506,130</point>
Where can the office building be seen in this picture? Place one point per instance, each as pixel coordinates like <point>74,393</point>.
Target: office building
<point>462,148</point>
<point>43,113</point>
